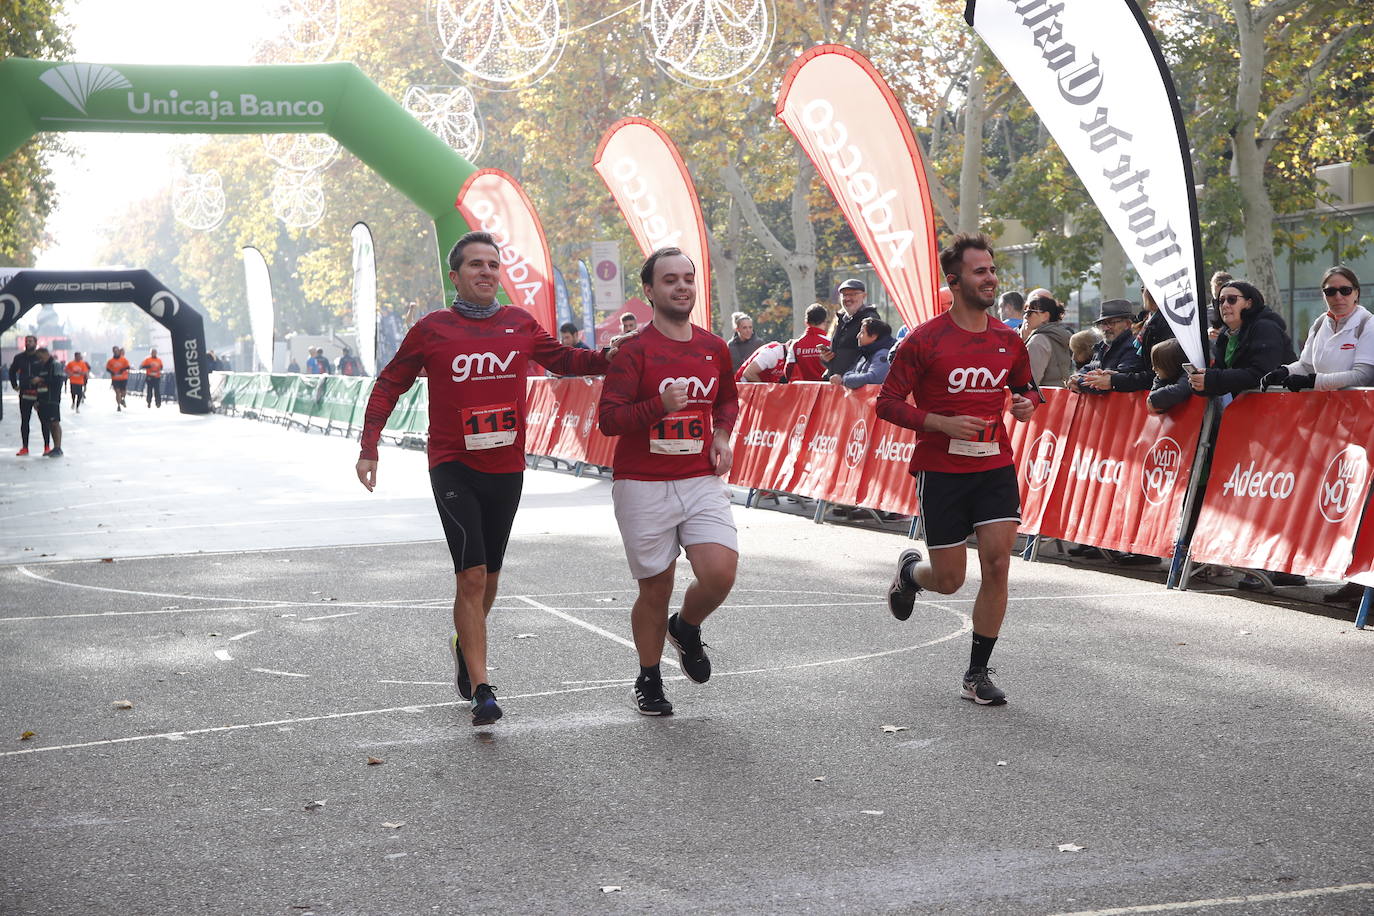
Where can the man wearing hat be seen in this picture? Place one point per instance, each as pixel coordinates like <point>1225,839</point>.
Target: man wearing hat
<point>1114,353</point>
<point>844,340</point>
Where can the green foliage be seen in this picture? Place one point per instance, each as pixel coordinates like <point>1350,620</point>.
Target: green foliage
<point>29,28</point>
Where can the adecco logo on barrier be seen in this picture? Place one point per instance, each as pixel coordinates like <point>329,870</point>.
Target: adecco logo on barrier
<point>1259,484</point>
<point>518,269</point>
<point>794,444</point>
<point>764,438</point>
<point>635,188</point>
<point>1162,465</point>
<point>1342,483</point>
<point>858,443</point>
<point>1087,466</point>
<point>1040,470</point>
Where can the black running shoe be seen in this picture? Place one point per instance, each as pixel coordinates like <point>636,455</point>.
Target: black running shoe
<point>649,698</point>
<point>54,453</point>
<point>461,682</point>
<point>979,688</point>
<point>484,708</point>
<point>901,595</point>
<point>691,651</point>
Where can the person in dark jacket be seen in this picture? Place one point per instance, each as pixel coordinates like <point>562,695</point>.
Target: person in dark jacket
<point>743,344</point>
<point>1252,343</point>
<point>875,345</point>
<point>1114,354</point>
<point>844,339</point>
<point>1171,386</point>
<point>21,368</point>
<point>1152,329</point>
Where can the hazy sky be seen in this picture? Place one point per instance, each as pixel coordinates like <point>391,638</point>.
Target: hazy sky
<point>112,170</point>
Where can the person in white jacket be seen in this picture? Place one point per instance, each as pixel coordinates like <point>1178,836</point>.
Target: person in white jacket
<point>1339,352</point>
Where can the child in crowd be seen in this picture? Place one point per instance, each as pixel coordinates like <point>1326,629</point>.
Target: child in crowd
<point>1171,386</point>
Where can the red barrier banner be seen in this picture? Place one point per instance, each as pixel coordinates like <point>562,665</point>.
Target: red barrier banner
<point>750,442</point>
<point>541,415</point>
<point>846,118</point>
<point>1123,474</point>
<point>829,464</point>
<point>1362,564</point>
<point>1037,447</point>
<point>494,202</point>
<point>651,185</point>
<point>577,398</point>
<point>887,484</point>
<point>1290,500</point>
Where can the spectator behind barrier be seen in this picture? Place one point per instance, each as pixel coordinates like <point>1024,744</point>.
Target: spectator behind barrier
<point>1339,352</point>
<point>1152,329</point>
<point>1081,347</point>
<point>1012,309</point>
<point>743,344</point>
<point>1115,352</point>
<point>570,335</point>
<point>1047,342</point>
<point>795,361</point>
<point>1219,279</point>
<point>1171,385</point>
<point>1253,342</point>
<point>844,336</point>
<point>875,343</point>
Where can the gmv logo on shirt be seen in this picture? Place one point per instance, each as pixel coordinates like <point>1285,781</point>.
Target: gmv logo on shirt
<point>695,386</point>
<point>976,379</point>
<point>468,365</point>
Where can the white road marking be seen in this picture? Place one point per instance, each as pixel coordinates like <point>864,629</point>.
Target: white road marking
<point>255,523</point>
<point>223,655</point>
<point>563,615</point>
<point>239,636</point>
<point>333,616</point>
<point>273,671</point>
<point>1226,901</point>
<point>129,591</point>
<point>421,683</point>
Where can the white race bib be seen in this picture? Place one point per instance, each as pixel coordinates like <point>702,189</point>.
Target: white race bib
<point>487,427</point>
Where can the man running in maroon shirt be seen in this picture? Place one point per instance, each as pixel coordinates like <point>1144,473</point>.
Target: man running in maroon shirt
<point>476,356</point>
<point>958,366</point>
<point>670,397</point>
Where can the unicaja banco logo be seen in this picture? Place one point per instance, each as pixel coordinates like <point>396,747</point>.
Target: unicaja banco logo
<point>78,82</point>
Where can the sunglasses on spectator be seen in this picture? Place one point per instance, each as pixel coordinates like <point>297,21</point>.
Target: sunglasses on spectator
<point>1337,290</point>
<point>1229,300</point>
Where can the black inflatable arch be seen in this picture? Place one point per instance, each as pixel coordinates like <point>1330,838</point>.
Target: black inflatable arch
<point>28,288</point>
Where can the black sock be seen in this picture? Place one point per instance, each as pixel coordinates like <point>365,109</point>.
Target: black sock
<point>982,651</point>
<point>650,672</point>
<point>909,573</point>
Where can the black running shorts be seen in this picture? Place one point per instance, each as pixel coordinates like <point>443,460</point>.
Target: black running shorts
<point>50,411</point>
<point>120,384</point>
<point>953,505</point>
<point>477,511</point>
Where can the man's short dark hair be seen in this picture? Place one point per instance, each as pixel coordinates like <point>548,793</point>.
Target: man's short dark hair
<point>646,273</point>
<point>877,327</point>
<point>953,256</point>
<point>629,316</point>
<point>567,327</point>
<point>816,314</point>
<point>455,254</point>
<point>1015,300</point>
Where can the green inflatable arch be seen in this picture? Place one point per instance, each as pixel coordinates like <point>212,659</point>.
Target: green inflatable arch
<point>335,99</point>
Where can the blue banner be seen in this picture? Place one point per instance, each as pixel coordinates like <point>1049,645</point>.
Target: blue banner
<point>562,307</point>
<point>584,283</point>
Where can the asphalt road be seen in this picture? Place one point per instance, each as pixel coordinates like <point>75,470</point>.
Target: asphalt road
<point>273,627</point>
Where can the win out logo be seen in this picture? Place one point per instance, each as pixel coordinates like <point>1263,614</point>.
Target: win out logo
<point>1343,483</point>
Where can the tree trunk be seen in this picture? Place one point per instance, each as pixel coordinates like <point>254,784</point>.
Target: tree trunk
<point>1113,283</point>
<point>971,173</point>
<point>725,267</point>
<point>1250,153</point>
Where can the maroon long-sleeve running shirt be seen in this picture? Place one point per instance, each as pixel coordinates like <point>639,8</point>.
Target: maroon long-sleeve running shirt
<point>477,370</point>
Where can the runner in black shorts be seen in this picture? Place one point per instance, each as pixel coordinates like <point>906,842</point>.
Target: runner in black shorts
<point>958,367</point>
<point>476,355</point>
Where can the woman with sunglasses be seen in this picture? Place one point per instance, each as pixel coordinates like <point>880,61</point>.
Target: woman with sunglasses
<point>1339,352</point>
<point>1253,342</point>
<point>1047,342</point>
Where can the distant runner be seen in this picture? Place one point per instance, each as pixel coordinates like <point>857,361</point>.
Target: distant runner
<point>78,372</point>
<point>118,369</point>
<point>21,370</point>
<point>476,355</point>
<point>152,380</point>
<point>670,396</point>
<point>46,382</point>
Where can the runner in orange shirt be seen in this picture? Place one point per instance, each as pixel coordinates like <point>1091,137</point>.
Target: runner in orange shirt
<point>118,369</point>
<point>78,371</point>
<point>152,382</point>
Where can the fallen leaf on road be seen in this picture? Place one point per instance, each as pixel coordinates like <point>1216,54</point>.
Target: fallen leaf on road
<point>526,635</point>
<point>871,812</point>
<point>1001,763</point>
<point>389,825</point>
<point>893,729</point>
<point>123,704</point>
<point>311,806</point>
<point>819,779</point>
<point>611,888</point>
<point>26,736</point>
<point>102,559</point>
<point>1070,847</point>
<point>1243,633</point>
<point>216,634</point>
<point>373,761</point>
